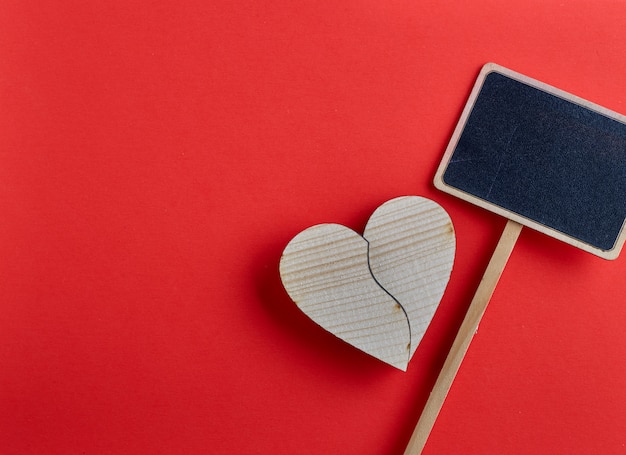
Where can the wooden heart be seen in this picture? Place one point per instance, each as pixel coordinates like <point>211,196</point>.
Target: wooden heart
<point>378,291</point>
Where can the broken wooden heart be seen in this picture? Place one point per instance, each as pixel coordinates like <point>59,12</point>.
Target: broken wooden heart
<point>378,291</point>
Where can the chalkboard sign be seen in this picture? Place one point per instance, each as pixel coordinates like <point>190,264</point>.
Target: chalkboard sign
<point>542,157</point>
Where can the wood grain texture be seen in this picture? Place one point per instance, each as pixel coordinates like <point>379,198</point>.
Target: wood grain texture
<point>325,271</point>
<point>380,291</point>
<point>464,337</point>
<point>412,246</point>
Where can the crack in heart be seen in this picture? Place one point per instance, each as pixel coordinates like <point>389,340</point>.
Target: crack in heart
<point>378,291</point>
<point>408,321</point>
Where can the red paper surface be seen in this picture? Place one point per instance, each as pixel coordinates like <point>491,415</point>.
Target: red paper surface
<point>155,159</point>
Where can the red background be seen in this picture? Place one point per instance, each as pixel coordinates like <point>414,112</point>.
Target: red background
<point>157,156</point>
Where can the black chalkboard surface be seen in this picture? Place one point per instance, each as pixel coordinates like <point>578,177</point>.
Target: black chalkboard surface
<point>542,157</point>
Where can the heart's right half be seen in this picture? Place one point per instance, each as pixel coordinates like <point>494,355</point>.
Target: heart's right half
<point>378,291</point>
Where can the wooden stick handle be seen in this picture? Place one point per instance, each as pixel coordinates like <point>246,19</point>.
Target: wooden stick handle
<point>464,337</point>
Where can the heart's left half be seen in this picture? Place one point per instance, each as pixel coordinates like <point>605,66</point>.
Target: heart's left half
<point>325,271</point>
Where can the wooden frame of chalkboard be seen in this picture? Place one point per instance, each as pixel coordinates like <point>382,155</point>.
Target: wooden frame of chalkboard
<point>542,157</point>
